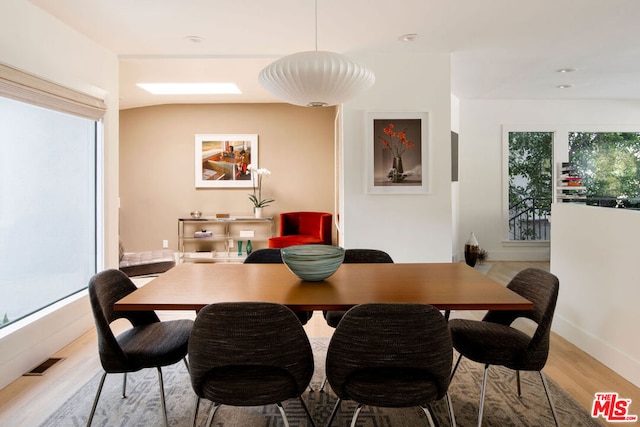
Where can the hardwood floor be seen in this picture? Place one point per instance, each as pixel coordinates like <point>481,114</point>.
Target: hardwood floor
<point>29,400</point>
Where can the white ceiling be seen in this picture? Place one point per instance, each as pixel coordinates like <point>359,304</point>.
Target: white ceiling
<point>500,48</point>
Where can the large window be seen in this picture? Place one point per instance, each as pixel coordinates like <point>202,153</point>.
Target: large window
<point>530,178</point>
<point>47,207</point>
<point>609,165</point>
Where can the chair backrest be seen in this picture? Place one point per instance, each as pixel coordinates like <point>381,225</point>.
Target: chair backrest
<point>105,289</point>
<point>390,336</point>
<point>541,288</point>
<point>316,224</point>
<point>264,256</point>
<point>245,334</point>
<point>358,256</point>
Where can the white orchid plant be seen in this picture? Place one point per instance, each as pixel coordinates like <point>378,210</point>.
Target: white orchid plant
<point>256,181</point>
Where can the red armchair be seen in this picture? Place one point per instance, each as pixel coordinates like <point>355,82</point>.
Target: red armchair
<point>303,228</point>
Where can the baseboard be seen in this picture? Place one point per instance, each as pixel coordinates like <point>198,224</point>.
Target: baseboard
<point>622,363</point>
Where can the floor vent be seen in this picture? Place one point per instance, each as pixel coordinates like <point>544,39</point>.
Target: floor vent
<point>44,366</point>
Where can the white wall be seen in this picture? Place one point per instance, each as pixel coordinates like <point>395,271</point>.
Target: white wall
<point>481,159</point>
<point>37,43</point>
<point>411,228</point>
<point>594,253</point>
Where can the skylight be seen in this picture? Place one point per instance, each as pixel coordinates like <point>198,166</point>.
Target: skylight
<point>190,88</point>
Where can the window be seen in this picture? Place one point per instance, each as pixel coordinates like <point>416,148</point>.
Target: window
<point>47,207</point>
<point>609,165</point>
<point>530,182</point>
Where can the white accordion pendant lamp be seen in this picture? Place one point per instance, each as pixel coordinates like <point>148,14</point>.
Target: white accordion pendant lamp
<point>316,78</point>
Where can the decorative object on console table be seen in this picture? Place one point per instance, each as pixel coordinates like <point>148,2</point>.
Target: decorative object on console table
<point>239,247</point>
<point>471,250</point>
<point>256,183</point>
<point>249,247</point>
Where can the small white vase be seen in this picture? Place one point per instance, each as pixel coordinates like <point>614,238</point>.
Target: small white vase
<point>258,212</point>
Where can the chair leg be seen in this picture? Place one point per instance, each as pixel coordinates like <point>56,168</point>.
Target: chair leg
<point>455,367</point>
<point>124,386</point>
<point>482,392</point>
<point>452,417</point>
<point>195,411</point>
<point>355,415</point>
<point>324,382</point>
<point>186,364</point>
<point>334,412</point>
<point>284,414</point>
<point>546,390</point>
<point>427,412</point>
<point>95,401</point>
<point>164,405</point>
<point>306,409</point>
<point>518,380</point>
<point>214,408</point>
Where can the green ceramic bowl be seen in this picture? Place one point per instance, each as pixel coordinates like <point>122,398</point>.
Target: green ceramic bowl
<point>313,262</point>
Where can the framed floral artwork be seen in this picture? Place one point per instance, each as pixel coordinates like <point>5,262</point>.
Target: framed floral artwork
<point>398,153</point>
<point>225,160</point>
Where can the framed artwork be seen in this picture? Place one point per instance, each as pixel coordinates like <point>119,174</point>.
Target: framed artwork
<point>222,160</point>
<point>397,153</point>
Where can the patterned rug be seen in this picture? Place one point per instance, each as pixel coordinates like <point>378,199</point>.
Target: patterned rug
<point>142,406</point>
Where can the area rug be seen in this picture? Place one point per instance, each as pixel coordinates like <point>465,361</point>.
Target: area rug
<point>142,406</point>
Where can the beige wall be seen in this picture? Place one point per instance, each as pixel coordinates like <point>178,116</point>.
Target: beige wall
<point>157,164</point>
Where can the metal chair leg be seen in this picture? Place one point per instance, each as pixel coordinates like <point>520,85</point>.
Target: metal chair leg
<point>195,411</point>
<point>355,415</point>
<point>95,401</point>
<point>124,386</point>
<point>482,392</point>
<point>334,412</point>
<point>455,367</point>
<point>164,405</point>
<point>186,364</point>
<point>284,415</point>
<point>214,408</point>
<point>427,412</point>
<point>518,380</point>
<point>306,409</point>
<point>546,390</point>
<point>452,417</point>
<point>324,382</point>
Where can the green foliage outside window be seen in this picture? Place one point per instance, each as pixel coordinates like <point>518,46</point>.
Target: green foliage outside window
<point>608,163</point>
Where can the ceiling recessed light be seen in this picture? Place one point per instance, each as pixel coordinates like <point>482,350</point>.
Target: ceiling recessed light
<point>190,88</point>
<point>565,70</point>
<point>408,37</point>
<point>563,86</point>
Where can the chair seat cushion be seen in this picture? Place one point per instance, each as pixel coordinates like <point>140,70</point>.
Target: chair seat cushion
<point>411,387</point>
<point>492,343</point>
<point>248,385</point>
<point>293,240</point>
<point>155,344</point>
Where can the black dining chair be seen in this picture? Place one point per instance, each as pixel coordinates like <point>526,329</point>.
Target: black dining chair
<point>391,355</point>
<point>249,354</point>
<point>273,256</point>
<point>494,341</point>
<point>149,343</point>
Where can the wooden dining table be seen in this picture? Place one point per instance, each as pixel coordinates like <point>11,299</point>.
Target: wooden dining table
<point>447,286</point>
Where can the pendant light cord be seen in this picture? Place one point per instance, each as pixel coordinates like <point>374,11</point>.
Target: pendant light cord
<point>316,2</point>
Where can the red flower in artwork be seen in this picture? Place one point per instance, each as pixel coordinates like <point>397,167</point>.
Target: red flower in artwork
<point>396,142</point>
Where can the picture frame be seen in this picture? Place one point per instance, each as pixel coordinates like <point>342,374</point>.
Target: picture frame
<point>222,160</point>
<point>397,153</point>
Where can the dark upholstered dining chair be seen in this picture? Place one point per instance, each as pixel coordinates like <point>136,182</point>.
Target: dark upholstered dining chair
<point>493,341</point>
<point>249,354</point>
<point>356,256</point>
<point>391,355</point>
<point>149,343</point>
<point>273,256</point>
